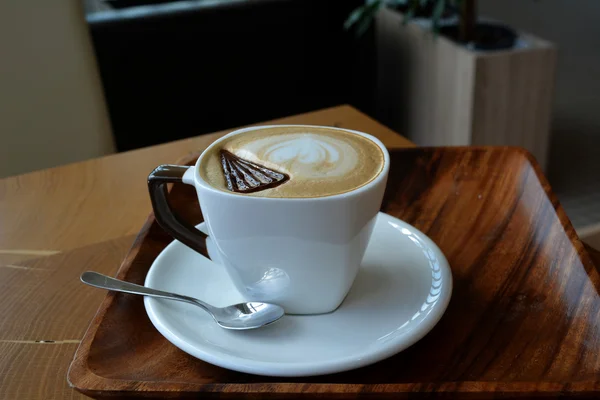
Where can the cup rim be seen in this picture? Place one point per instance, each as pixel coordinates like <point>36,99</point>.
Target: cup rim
<point>199,182</point>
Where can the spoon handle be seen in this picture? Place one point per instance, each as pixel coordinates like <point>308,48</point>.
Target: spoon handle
<point>106,282</point>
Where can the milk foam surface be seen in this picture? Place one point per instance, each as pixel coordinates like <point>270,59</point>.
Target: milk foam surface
<point>319,161</point>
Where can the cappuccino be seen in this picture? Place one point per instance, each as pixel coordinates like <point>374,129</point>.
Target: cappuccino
<point>292,162</point>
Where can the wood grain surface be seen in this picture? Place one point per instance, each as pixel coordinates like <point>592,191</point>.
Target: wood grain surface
<point>58,222</point>
<point>44,312</point>
<point>522,321</point>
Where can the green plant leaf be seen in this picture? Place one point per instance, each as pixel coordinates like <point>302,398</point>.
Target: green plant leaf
<point>373,7</point>
<point>366,16</point>
<point>354,17</point>
<point>363,26</point>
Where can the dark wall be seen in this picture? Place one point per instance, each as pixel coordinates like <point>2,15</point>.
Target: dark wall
<point>170,74</point>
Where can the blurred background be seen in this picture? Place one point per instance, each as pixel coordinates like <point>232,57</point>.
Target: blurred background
<point>81,79</point>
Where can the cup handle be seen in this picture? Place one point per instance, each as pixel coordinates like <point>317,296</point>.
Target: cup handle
<point>164,215</point>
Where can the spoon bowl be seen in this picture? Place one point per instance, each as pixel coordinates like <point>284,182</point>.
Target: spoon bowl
<point>247,315</point>
<point>240,316</point>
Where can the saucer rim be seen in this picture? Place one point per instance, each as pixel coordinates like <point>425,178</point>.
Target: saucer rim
<point>307,368</point>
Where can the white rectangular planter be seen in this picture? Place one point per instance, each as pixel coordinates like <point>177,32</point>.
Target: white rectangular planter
<point>439,93</point>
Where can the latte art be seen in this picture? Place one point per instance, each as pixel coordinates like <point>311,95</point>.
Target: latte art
<point>292,161</point>
<point>307,155</point>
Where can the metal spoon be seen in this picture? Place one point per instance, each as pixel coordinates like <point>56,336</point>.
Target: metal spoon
<point>238,316</point>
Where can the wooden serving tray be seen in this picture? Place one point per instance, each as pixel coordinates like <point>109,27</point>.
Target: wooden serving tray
<point>524,319</point>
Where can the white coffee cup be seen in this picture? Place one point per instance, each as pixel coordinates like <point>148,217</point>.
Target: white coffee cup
<point>300,253</point>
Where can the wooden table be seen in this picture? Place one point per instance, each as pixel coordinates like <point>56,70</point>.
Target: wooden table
<point>59,222</point>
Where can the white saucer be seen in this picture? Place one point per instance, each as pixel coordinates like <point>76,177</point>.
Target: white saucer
<point>400,293</point>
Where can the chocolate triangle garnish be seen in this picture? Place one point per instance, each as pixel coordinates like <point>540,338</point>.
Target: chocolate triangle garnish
<point>244,176</point>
